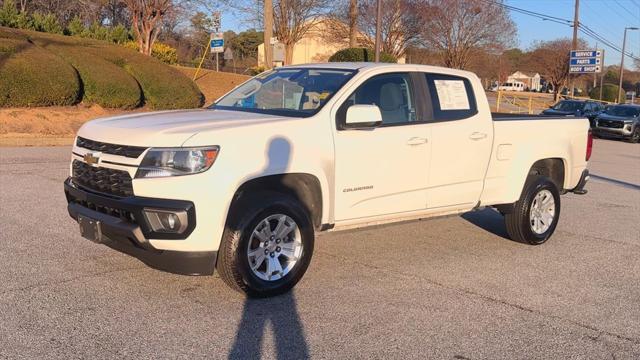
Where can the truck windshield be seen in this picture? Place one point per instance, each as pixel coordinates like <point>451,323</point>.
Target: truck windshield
<point>568,106</point>
<point>295,92</point>
<point>625,111</point>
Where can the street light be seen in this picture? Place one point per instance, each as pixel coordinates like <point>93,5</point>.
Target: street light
<point>624,43</point>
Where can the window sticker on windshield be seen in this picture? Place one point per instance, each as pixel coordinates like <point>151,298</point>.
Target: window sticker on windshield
<point>452,95</point>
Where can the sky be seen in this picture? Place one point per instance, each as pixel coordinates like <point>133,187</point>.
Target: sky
<point>606,17</point>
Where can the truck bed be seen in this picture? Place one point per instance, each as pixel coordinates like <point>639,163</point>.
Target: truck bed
<point>518,117</point>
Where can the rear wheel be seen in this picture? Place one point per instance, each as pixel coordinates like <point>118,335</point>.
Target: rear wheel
<point>267,245</point>
<point>536,214</point>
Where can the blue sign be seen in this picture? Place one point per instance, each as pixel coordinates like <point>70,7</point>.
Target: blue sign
<point>586,53</point>
<point>217,43</point>
<point>584,61</point>
<point>585,69</point>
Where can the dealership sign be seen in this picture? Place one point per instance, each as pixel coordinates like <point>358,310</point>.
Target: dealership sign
<point>586,61</point>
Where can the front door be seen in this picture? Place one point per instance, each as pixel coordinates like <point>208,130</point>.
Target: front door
<point>382,170</point>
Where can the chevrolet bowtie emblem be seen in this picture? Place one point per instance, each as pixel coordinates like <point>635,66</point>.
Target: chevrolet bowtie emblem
<point>92,159</point>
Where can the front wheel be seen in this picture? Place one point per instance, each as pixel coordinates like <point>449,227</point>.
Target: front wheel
<point>635,136</point>
<point>267,245</point>
<point>536,214</point>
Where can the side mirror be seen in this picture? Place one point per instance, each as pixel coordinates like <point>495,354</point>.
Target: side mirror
<point>362,117</point>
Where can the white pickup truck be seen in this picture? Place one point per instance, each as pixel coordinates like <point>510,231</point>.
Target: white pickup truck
<point>242,187</point>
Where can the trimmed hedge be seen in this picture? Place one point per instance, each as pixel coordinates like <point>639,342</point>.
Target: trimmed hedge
<point>360,55</point>
<point>103,82</point>
<point>59,70</point>
<point>610,92</point>
<point>32,76</point>
<point>164,87</point>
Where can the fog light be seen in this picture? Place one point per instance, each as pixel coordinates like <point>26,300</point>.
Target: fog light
<point>166,221</point>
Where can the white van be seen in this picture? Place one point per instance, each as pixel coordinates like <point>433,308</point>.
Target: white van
<point>512,86</point>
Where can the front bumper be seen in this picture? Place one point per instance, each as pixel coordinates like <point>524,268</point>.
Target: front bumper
<point>125,229</point>
<point>613,132</point>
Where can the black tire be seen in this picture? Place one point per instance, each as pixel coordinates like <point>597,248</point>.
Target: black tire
<point>245,215</point>
<point>518,222</point>
<point>635,136</point>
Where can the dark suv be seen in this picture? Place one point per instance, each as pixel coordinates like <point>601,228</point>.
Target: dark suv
<point>619,121</point>
<point>583,108</point>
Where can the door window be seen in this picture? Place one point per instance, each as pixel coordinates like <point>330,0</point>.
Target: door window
<point>392,93</point>
<point>452,97</point>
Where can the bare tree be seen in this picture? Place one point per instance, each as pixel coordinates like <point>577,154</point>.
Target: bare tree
<point>458,27</point>
<point>353,23</point>
<point>293,19</point>
<point>146,20</point>
<point>400,24</point>
<point>551,60</point>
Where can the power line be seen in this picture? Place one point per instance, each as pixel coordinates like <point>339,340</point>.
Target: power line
<point>581,27</point>
<point>635,16</point>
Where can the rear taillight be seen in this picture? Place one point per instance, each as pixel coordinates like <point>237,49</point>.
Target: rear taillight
<point>589,145</point>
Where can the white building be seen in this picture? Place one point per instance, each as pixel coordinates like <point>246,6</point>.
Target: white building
<point>531,81</point>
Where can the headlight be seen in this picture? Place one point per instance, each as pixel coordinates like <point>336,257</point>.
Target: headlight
<point>177,161</point>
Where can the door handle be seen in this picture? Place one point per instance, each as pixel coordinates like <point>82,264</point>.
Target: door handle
<point>417,141</point>
<point>477,136</point>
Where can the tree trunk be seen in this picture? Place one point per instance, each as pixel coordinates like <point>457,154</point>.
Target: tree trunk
<point>288,53</point>
<point>353,23</point>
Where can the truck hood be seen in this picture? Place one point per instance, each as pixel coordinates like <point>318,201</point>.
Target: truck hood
<point>617,118</point>
<point>168,128</point>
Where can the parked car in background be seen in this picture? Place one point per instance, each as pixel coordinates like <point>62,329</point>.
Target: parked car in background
<point>620,121</point>
<point>583,108</point>
<point>512,86</point>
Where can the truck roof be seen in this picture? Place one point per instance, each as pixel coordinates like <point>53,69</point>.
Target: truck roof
<point>372,65</point>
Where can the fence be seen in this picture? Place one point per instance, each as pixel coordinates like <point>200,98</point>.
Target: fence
<point>525,102</point>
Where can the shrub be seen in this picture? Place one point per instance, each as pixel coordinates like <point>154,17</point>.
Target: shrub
<point>104,83</point>
<point>46,23</point>
<point>255,70</point>
<point>75,27</point>
<point>113,76</point>
<point>160,51</point>
<point>359,55</point>
<point>9,14</point>
<point>163,87</point>
<point>610,92</point>
<point>31,76</point>
<point>119,34</point>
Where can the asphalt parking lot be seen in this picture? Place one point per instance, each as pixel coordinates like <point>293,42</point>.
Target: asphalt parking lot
<point>451,288</point>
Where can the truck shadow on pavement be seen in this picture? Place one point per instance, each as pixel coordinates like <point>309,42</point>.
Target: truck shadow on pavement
<point>282,313</point>
<point>490,220</point>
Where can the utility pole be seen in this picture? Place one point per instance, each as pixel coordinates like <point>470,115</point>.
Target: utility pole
<point>595,75</point>
<point>268,33</point>
<point>574,44</point>
<point>378,24</point>
<point>621,99</point>
<point>353,23</point>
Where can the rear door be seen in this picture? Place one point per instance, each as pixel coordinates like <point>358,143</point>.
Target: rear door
<point>461,140</point>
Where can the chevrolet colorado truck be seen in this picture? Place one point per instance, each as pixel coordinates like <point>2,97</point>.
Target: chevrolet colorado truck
<point>243,186</point>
